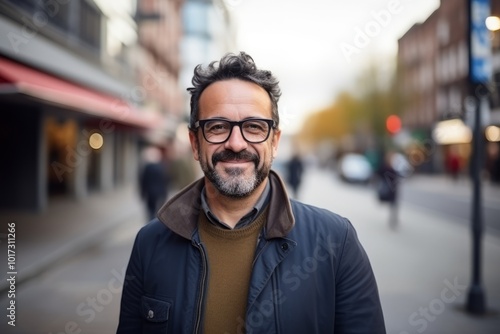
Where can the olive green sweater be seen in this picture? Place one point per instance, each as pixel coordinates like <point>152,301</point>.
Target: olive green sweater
<point>230,255</point>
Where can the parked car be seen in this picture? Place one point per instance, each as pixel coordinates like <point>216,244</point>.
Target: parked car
<point>355,168</point>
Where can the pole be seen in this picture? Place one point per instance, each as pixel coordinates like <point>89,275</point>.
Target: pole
<point>476,296</point>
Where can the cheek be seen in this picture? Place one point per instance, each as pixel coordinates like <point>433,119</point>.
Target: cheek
<point>205,154</point>
<point>266,156</point>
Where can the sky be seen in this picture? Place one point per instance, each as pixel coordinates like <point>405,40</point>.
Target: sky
<point>318,48</point>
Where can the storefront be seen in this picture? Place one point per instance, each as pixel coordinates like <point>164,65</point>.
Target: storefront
<point>62,139</point>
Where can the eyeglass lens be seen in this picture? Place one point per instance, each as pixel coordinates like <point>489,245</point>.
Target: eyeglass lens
<point>217,131</point>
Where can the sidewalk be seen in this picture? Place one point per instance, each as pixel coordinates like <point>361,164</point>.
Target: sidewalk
<point>463,186</point>
<point>65,229</point>
<point>423,268</point>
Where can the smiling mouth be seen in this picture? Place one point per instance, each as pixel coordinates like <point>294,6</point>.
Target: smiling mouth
<point>234,165</point>
<point>236,161</point>
<point>229,157</point>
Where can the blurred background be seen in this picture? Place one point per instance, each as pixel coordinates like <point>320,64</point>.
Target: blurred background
<point>89,87</point>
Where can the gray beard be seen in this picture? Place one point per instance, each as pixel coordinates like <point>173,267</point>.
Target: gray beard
<point>235,185</point>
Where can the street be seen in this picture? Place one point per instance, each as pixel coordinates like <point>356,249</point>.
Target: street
<point>422,269</point>
<point>455,204</point>
<point>80,295</point>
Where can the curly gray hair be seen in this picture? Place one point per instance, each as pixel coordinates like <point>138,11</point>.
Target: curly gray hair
<point>232,66</point>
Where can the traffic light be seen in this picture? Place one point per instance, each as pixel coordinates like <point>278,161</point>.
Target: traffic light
<point>393,124</point>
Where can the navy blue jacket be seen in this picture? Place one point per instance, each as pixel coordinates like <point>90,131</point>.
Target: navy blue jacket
<point>310,273</point>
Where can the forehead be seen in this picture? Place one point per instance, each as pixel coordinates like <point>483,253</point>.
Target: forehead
<point>234,99</point>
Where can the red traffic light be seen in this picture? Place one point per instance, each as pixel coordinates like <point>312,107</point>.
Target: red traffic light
<point>393,124</point>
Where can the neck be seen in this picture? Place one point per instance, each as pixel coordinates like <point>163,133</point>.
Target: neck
<point>229,209</point>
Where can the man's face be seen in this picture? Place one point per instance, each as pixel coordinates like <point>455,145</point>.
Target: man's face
<point>234,168</point>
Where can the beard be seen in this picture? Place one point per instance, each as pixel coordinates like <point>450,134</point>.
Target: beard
<point>235,184</point>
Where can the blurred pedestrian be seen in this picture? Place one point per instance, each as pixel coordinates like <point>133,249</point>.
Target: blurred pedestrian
<point>387,187</point>
<point>495,170</point>
<point>453,163</point>
<point>295,169</point>
<point>493,162</point>
<point>153,180</point>
<point>232,253</point>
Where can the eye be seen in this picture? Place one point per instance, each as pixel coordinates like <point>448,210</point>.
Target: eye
<point>216,127</point>
<point>255,126</point>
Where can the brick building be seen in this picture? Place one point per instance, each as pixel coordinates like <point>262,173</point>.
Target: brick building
<point>433,66</point>
<point>160,34</point>
<point>78,94</point>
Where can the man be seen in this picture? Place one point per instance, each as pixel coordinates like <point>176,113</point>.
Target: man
<point>387,188</point>
<point>231,253</point>
<point>153,180</point>
<point>295,169</point>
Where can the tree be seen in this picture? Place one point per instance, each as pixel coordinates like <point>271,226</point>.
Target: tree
<point>330,123</point>
<point>361,114</point>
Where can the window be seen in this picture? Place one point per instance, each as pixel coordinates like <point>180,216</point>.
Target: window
<point>90,25</point>
<point>78,19</point>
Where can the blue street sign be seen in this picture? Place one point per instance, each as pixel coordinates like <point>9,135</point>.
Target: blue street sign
<point>480,48</point>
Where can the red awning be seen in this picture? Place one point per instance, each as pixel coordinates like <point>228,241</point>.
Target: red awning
<point>17,78</point>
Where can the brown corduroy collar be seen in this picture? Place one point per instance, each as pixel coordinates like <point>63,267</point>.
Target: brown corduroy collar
<point>180,213</point>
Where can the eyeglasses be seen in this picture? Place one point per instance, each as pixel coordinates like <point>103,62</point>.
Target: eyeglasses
<point>218,131</point>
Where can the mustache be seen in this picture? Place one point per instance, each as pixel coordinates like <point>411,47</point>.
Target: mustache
<point>230,155</point>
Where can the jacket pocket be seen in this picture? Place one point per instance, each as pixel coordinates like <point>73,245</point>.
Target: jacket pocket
<point>155,314</point>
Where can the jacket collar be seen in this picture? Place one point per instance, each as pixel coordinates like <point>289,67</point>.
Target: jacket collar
<point>180,213</point>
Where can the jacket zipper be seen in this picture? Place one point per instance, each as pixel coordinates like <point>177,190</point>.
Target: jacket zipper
<point>202,289</point>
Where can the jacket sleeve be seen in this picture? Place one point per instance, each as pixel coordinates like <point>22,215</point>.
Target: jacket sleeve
<point>358,308</point>
<point>130,321</point>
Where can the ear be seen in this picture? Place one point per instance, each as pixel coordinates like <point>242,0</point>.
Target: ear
<point>193,139</point>
<point>275,142</point>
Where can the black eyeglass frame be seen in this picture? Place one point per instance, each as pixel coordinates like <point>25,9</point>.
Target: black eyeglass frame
<point>201,124</point>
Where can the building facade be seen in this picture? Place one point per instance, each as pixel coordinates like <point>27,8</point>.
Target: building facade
<point>160,33</point>
<point>208,33</point>
<point>74,105</point>
<point>433,66</point>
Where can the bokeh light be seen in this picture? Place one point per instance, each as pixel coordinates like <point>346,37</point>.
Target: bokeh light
<point>96,141</point>
<point>492,133</point>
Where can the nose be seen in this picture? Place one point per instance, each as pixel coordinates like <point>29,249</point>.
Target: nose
<point>236,142</point>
